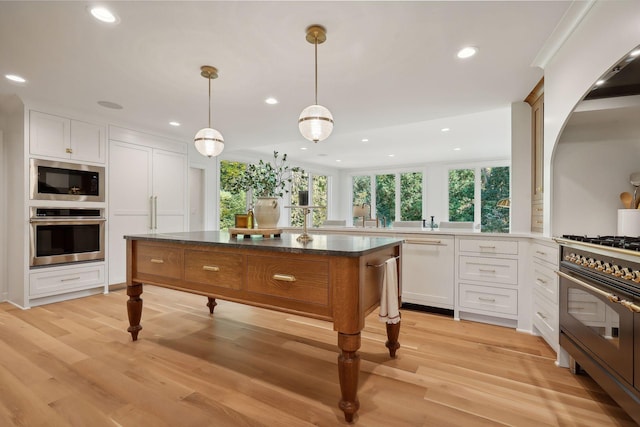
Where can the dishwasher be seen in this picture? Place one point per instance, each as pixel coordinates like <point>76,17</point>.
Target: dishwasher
<point>428,270</point>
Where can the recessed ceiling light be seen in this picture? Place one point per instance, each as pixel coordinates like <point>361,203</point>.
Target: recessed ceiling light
<point>338,160</point>
<point>467,52</point>
<point>445,130</point>
<point>391,155</point>
<point>304,148</point>
<point>109,104</point>
<point>15,78</point>
<point>365,139</point>
<point>599,82</point>
<point>103,14</point>
<point>635,53</point>
<point>457,149</point>
<point>271,101</point>
<point>176,124</point>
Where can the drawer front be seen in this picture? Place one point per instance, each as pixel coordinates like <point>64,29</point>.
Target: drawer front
<point>537,216</point>
<point>220,269</point>
<point>505,247</point>
<point>545,318</point>
<point>546,253</point>
<point>494,270</point>
<point>45,283</point>
<point>163,261</point>
<point>487,298</point>
<point>545,280</point>
<point>299,280</point>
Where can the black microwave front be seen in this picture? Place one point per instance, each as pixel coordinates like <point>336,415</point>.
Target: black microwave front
<point>51,180</point>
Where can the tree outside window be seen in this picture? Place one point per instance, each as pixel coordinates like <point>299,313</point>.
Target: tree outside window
<point>411,196</point>
<point>461,194</point>
<point>494,187</point>
<point>320,197</point>
<point>386,198</point>
<point>231,203</point>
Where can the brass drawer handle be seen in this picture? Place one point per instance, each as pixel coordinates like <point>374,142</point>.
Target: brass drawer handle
<point>486,247</point>
<point>541,253</point>
<point>211,268</point>
<point>487,299</point>
<point>542,316</point>
<point>284,277</point>
<point>69,151</point>
<point>70,279</point>
<point>157,261</point>
<point>486,270</point>
<point>542,281</point>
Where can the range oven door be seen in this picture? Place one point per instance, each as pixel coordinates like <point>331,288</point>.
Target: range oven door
<point>597,324</point>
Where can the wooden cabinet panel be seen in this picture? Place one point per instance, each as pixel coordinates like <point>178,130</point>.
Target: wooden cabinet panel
<point>214,268</point>
<point>297,280</point>
<point>159,261</point>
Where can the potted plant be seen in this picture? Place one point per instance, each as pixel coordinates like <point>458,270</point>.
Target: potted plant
<point>269,181</point>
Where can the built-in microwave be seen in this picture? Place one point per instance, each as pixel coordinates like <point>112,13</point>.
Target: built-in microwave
<point>51,180</point>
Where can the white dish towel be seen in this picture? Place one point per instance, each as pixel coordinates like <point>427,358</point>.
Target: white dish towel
<point>389,311</point>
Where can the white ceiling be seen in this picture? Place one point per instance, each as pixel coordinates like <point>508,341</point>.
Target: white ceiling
<point>388,71</point>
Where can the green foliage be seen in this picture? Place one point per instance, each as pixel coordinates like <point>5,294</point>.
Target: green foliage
<point>461,193</point>
<point>320,194</point>
<point>386,198</point>
<point>231,201</point>
<point>411,196</point>
<point>495,186</point>
<point>361,190</point>
<point>265,178</point>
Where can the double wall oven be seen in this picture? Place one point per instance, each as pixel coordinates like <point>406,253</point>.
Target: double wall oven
<point>72,231</point>
<point>600,313</point>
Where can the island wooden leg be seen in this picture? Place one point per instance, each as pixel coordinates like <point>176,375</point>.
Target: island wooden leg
<point>134,309</point>
<point>393,331</point>
<point>211,304</point>
<point>348,370</point>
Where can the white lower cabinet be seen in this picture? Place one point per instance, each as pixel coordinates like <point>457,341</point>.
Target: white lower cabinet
<point>428,270</point>
<point>544,281</point>
<point>487,279</point>
<point>57,280</point>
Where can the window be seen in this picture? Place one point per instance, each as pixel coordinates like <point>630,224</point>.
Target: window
<point>461,194</point>
<point>474,195</point>
<point>319,196</point>
<point>395,197</point>
<point>411,196</point>
<point>230,204</point>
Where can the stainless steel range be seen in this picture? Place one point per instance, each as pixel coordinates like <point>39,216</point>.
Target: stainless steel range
<point>600,312</point>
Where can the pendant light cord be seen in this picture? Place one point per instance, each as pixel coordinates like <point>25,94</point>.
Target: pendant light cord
<point>209,78</point>
<point>316,45</point>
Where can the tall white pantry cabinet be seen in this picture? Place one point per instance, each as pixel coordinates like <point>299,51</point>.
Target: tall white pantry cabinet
<point>147,190</point>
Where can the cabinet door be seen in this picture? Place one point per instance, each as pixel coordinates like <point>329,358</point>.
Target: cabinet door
<point>427,272</point>
<point>49,135</point>
<point>129,201</point>
<point>170,190</point>
<point>87,142</point>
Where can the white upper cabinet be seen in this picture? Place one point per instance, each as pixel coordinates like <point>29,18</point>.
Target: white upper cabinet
<point>63,138</point>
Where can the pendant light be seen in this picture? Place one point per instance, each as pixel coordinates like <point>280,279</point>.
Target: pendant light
<point>209,142</point>
<point>316,122</point>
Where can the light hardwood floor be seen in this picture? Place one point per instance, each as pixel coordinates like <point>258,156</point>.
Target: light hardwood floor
<point>74,364</point>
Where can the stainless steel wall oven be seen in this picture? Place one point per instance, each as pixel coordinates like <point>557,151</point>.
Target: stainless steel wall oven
<point>600,313</point>
<point>61,235</point>
<point>51,180</point>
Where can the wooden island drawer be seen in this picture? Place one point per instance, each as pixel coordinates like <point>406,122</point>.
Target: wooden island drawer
<point>158,260</point>
<point>305,281</point>
<point>214,268</point>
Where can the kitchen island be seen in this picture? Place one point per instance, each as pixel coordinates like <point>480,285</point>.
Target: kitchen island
<point>333,278</point>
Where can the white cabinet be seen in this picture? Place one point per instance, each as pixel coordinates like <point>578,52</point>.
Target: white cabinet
<point>147,193</point>
<point>544,281</point>
<point>487,279</point>
<point>63,138</point>
<point>53,281</point>
<point>427,271</point>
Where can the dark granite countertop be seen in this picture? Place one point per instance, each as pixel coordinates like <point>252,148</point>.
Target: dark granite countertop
<point>329,244</point>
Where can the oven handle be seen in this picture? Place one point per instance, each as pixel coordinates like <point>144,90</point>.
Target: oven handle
<point>66,220</point>
<point>611,297</point>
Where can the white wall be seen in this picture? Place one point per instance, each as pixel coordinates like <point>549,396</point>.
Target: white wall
<point>608,31</point>
<point>3,221</point>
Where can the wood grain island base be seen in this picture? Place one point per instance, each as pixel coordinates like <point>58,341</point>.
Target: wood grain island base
<point>334,278</point>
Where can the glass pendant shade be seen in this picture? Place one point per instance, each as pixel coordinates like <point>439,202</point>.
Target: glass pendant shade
<point>315,123</point>
<point>209,142</point>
